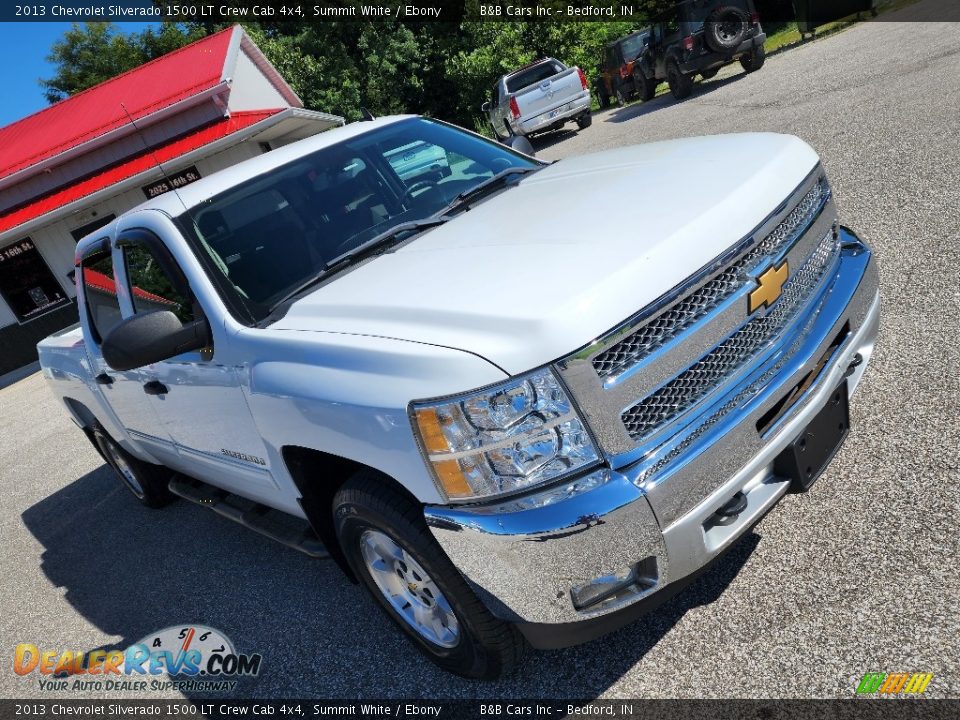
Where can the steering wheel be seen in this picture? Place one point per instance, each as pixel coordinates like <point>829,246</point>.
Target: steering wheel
<point>418,185</point>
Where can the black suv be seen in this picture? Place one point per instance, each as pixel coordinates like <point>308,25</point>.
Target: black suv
<point>698,37</point>
<point>615,75</point>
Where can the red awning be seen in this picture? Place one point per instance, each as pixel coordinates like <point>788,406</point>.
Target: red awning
<point>133,166</point>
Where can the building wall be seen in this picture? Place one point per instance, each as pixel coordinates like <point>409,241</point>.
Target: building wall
<point>251,90</point>
<point>57,248</point>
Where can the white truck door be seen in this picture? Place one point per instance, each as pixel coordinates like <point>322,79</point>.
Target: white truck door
<point>197,397</point>
<point>122,391</point>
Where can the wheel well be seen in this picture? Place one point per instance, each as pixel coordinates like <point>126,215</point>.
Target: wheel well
<point>318,476</point>
<point>84,417</point>
<point>87,421</point>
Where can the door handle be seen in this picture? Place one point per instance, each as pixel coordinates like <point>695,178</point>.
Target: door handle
<point>104,379</point>
<point>155,387</point>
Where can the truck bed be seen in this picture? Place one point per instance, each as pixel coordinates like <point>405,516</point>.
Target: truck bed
<point>66,366</point>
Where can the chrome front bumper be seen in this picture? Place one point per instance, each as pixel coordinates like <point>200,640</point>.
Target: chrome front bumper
<point>644,533</point>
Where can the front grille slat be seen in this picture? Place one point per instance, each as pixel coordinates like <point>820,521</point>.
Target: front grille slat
<point>632,350</point>
<point>724,361</point>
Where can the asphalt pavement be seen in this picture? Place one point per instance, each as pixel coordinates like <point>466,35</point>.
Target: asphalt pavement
<point>857,575</point>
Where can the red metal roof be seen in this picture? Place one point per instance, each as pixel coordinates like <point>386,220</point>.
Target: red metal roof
<point>133,166</point>
<point>144,90</point>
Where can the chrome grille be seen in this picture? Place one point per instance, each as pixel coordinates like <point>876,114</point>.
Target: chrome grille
<point>716,417</point>
<point>726,359</point>
<point>652,336</point>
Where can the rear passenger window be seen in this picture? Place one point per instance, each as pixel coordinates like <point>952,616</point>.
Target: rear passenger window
<point>100,292</point>
<point>533,76</point>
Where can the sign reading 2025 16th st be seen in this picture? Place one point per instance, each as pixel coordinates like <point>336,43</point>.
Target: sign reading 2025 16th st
<point>172,182</point>
<point>194,657</point>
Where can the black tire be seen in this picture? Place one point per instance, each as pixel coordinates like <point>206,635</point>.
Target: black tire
<point>486,647</point>
<point>754,61</point>
<point>646,87</point>
<point>147,483</point>
<point>710,74</point>
<point>680,85</point>
<point>725,28</point>
<point>602,98</point>
<point>584,121</point>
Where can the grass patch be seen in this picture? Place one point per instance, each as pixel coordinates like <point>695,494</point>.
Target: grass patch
<point>790,35</point>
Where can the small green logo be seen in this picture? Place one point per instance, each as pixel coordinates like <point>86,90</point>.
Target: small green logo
<point>894,683</point>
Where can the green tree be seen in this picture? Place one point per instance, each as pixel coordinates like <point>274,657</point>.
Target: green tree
<point>91,53</point>
<point>444,70</point>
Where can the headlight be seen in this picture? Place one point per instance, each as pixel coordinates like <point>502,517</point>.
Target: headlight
<point>510,437</point>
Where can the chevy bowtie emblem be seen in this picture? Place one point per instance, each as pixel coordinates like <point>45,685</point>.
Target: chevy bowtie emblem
<point>769,286</point>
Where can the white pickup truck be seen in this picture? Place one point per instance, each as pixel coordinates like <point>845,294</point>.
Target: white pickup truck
<point>512,424</point>
<point>542,96</point>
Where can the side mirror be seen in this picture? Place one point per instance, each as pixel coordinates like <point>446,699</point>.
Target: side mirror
<point>144,339</point>
<point>485,107</point>
<point>520,144</point>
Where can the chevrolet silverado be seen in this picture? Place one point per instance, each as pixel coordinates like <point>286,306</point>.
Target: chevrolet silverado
<point>510,423</point>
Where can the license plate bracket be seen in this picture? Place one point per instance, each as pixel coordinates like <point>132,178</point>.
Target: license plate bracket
<point>804,460</point>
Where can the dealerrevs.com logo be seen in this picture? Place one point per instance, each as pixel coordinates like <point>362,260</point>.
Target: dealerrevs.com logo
<point>193,657</point>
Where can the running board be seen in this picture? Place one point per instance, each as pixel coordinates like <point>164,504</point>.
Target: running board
<point>285,529</point>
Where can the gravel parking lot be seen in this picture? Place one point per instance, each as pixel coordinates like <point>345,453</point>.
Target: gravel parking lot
<point>858,575</point>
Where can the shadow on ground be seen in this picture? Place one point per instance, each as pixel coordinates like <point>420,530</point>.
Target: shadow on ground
<point>639,109</point>
<point>554,137</point>
<point>131,571</point>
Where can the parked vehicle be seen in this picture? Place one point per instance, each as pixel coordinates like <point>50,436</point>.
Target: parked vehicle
<point>418,159</point>
<point>699,37</point>
<point>539,97</point>
<point>616,78</point>
<point>513,420</point>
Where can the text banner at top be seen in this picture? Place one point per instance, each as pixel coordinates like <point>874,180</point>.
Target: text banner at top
<point>453,11</point>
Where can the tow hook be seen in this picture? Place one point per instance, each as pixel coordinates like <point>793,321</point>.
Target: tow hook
<point>854,364</point>
<point>734,506</point>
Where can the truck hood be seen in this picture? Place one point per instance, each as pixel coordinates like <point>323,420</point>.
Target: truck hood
<point>544,268</point>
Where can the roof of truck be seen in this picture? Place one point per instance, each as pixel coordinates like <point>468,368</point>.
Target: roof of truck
<point>530,65</point>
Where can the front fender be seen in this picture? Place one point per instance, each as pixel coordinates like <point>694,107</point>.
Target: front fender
<point>348,395</point>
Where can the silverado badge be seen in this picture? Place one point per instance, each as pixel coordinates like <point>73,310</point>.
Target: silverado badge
<point>769,286</point>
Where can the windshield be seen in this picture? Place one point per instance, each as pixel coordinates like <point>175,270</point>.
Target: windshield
<point>263,238</point>
<point>533,75</point>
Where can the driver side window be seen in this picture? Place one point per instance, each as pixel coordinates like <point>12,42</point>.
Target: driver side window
<point>151,288</point>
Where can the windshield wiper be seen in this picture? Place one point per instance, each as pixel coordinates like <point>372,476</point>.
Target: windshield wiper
<point>488,185</point>
<point>385,237</point>
<point>353,255</point>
